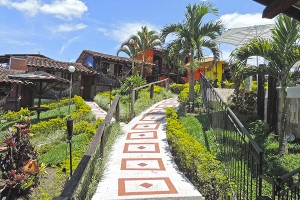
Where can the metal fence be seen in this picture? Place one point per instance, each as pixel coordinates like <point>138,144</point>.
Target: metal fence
<point>237,150</point>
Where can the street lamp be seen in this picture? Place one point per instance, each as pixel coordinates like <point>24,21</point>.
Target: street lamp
<point>71,70</point>
<point>69,120</point>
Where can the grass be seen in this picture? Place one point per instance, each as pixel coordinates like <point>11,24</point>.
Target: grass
<point>112,132</point>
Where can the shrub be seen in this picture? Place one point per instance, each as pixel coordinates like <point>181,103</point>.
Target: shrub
<point>53,105</point>
<point>184,94</point>
<point>177,88</point>
<point>244,102</point>
<point>229,84</point>
<point>15,116</point>
<point>47,127</point>
<point>132,82</point>
<point>200,166</point>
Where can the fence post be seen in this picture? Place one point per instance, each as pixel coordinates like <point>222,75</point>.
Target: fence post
<point>132,104</point>
<point>167,84</point>
<point>260,173</point>
<point>151,91</point>
<point>118,111</point>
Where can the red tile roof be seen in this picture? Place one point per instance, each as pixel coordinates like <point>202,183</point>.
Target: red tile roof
<point>4,73</point>
<point>106,57</point>
<point>39,62</point>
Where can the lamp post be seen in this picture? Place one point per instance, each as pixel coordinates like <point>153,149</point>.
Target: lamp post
<point>69,120</point>
<point>71,70</point>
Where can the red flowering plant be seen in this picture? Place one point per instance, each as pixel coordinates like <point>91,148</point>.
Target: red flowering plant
<point>18,164</point>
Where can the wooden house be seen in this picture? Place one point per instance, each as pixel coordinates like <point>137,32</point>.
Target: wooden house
<point>110,69</point>
<point>13,93</point>
<point>24,63</point>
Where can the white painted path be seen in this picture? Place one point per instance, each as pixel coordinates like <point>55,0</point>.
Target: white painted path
<point>141,165</point>
<point>99,112</point>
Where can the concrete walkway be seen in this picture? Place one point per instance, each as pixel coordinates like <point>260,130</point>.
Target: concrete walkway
<point>99,112</point>
<point>141,165</point>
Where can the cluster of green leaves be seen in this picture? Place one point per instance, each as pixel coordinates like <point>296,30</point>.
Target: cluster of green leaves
<point>184,94</point>
<point>200,166</point>
<point>132,82</point>
<point>17,115</point>
<point>244,102</point>
<point>229,84</point>
<point>57,104</point>
<point>177,88</point>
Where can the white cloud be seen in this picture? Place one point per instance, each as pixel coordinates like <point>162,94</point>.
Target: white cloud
<point>29,7</point>
<point>65,8</point>
<point>59,8</point>
<point>67,44</point>
<point>4,2</point>
<point>123,31</point>
<point>70,27</point>
<point>235,20</point>
<point>104,31</point>
<point>19,42</point>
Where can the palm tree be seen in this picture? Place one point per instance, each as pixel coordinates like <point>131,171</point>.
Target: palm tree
<point>196,35</point>
<point>282,51</point>
<point>145,40</point>
<point>130,48</point>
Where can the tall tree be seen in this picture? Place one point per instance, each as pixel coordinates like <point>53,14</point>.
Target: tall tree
<point>145,40</point>
<point>282,52</point>
<point>130,47</point>
<point>196,36</point>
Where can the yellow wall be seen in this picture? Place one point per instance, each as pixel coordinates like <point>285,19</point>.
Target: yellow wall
<point>215,72</point>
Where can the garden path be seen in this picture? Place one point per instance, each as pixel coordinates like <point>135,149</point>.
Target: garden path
<point>140,165</point>
<point>99,112</point>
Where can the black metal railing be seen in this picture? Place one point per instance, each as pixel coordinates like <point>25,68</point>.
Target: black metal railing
<point>77,186</point>
<point>286,187</point>
<point>240,154</point>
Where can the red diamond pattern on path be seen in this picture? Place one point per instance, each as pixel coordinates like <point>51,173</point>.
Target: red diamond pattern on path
<point>146,126</point>
<point>142,135</point>
<point>141,147</point>
<point>146,185</point>
<point>142,164</point>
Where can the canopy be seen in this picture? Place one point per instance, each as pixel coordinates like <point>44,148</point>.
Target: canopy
<point>241,36</point>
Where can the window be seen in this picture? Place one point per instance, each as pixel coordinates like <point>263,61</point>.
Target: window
<point>118,69</point>
<point>104,67</point>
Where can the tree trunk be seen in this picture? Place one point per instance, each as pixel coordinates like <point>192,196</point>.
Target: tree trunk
<point>260,96</point>
<point>272,103</point>
<point>143,61</point>
<point>134,71</point>
<point>282,109</point>
<point>192,83</point>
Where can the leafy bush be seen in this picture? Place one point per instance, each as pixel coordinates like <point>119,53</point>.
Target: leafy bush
<point>229,84</point>
<point>19,169</point>
<point>184,94</point>
<point>177,88</point>
<point>58,104</point>
<point>15,116</point>
<point>132,82</point>
<point>47,127</point>
<point>200,166</point>
<point>244,102</point>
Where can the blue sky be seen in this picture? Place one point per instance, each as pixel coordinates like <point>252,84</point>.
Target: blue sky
<point>61,29</point>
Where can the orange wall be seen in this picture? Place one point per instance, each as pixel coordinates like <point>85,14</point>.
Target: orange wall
<point>148,56</point>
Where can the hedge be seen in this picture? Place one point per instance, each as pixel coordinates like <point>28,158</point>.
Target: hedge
<point>200,166</point>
